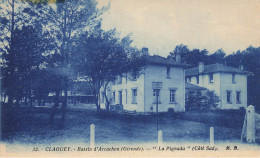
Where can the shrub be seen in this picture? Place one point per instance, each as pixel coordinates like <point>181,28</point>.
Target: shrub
<point>197,99</point>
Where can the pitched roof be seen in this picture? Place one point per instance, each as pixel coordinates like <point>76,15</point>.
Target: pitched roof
<point>193,86</point>
<point>158,60</point>
<point>213,68</point>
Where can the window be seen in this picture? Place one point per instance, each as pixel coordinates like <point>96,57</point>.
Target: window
<point>134,96</point>
<point>238,98</point>
<point>114,97</point>
<point>188,79</point>
<point>172,96</point>
<point>156,92</point>
<point>233,79</point>
<point>211,78</point>
<point>198,79</point>
<point>126,96</point>
<point>168,71</point>
<point>229,97</point>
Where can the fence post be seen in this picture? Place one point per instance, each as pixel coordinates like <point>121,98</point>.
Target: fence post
<point>211,135</point>
<point>92,135</point>
<point>250,130</point>
<point>160,137</point>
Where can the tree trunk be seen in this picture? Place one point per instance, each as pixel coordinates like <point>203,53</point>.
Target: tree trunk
<point>107,104</point>
<point>4,98</point>
<point>98,106</point>
<point>74,100</point>
<point>39,101</point>
<point>64,103</point>
<point>54,109</point>
<point>65,51</point>
<point>96,93</point>
<point>98,110</point>
<point>25,101</point>
<point>17,101</point>
<point>30,93</point>
<point>10,96</point>
<point>105,95</point>
<point>44,101</point>
<point>30,98</point>
<point>10,99</point>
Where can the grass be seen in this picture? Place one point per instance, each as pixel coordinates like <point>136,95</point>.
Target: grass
<point>31,126</point>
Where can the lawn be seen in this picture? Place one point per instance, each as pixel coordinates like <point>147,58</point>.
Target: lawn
<point>30,126</point>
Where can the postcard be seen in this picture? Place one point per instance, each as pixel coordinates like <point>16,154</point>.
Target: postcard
<point>139,78</point>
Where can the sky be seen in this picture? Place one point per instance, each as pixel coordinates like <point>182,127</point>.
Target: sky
<point>160,25</point>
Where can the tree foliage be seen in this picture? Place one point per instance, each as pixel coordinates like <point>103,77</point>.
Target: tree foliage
<point>189,56</point>
<point>26,60</point>
<point>47,46</point>
<point>196,99</point>
<point>102,57</point>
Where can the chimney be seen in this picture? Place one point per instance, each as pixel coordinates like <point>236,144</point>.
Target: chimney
<point>201,67</point>
<point>178,57</point>
<point>145,51</point>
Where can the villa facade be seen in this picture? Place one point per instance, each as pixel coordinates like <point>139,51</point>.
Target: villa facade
<point>162,76</point>
<point>229,83</point>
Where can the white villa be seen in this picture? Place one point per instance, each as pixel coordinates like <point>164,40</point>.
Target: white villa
<point>162,74</point>
<point>229,83</point>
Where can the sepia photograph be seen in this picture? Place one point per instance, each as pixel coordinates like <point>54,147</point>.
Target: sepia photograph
<point>130,78</point>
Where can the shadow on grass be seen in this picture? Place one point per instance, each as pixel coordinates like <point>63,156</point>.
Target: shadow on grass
<point>31,126</point>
